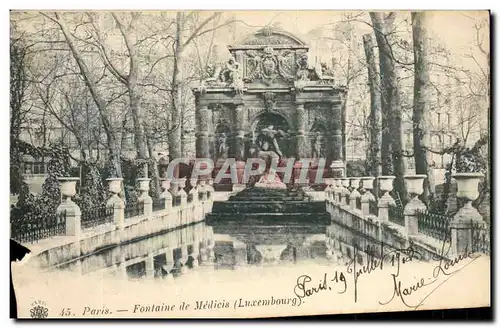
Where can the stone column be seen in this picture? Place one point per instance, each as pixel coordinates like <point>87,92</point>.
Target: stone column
<point>70,208</point>
<point>367,196</point>
<point>354,193</point>
<point>239,133</point>
<point>203,123</point>
<point>144,196</point>
<point>302,149</point>
<point>462,239</point>
<point>337,166</point>
<point>385,186</point>
<point>414,187</point>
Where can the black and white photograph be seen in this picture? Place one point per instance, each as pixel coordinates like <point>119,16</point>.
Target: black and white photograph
<point>173,164</point>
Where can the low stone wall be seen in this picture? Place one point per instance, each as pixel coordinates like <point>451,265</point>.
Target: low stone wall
<point>139,236</point>
<point>350,228</point>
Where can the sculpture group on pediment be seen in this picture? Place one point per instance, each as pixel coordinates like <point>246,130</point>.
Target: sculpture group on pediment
<point>228,74</point>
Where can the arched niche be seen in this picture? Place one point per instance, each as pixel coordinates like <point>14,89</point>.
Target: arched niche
<point>278,123</point>
<point>318,139</point>
<point>223,147</point>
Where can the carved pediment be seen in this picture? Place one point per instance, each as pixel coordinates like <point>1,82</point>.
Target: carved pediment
<point>271,36</point>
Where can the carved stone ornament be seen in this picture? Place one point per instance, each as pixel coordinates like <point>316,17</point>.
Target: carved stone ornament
<point>269,101</point>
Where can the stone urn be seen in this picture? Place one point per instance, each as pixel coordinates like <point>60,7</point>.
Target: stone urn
<point>115,185</point>
<point>468,185</point>
<point>385,183</point>
<point>354,183</point>
<point>329,181</point>
<point>415,184</point>
<point>143,184</point>
<point>165,184</point>
<point>68,187</point>
<point>367,183</point>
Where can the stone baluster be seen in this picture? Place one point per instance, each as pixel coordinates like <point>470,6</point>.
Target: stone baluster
<point>367,196</point>
<point>144,197</point>
<point>115,201</point>
<point>70,208</point>
<point>354,193</point>
<point>414,187</point>
<point>166,194</point>
<point>344,192</point>
<point>385,186</point>
<point>467,217</point>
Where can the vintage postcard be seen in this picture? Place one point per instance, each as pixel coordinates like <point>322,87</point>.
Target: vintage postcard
<point>248,164</point>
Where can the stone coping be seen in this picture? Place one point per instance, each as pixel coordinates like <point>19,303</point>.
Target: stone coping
<point>58,241</point>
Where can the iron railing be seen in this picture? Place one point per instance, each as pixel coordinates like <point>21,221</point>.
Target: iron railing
<point>480,237</point>
<point>434,225</point>
<point>396,215</point>
<point>134,209</point>
<point>93,217</point>
<point>373,207</point>
<point>34,230</point>
<point>158,204</point>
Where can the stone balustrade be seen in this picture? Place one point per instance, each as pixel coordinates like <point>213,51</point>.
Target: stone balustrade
<point>459,232</point>
<point>75,242</point>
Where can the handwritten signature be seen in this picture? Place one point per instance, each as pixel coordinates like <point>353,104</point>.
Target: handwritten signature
<point>392,261</point>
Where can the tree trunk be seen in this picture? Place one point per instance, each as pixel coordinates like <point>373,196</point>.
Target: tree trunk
<point>134,97</point>
<point>421,101</point>
<point>392,132</point>
<point>174,138</point>
<point>375,160</point>
<point>114,156</point>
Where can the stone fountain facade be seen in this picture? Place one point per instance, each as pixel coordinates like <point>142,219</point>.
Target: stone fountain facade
<point>268,81</point>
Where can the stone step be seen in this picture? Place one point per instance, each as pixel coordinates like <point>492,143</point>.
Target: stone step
<point>265,206</point>
<point>268,218</point>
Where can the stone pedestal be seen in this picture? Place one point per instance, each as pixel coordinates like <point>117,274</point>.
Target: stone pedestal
<point>414,187</point>
<point>385,186</point>
<point>73,214</point>
<point>165,184</point>
<point>144,197</point>
<point>367,197</point>
<point>467,218</point>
